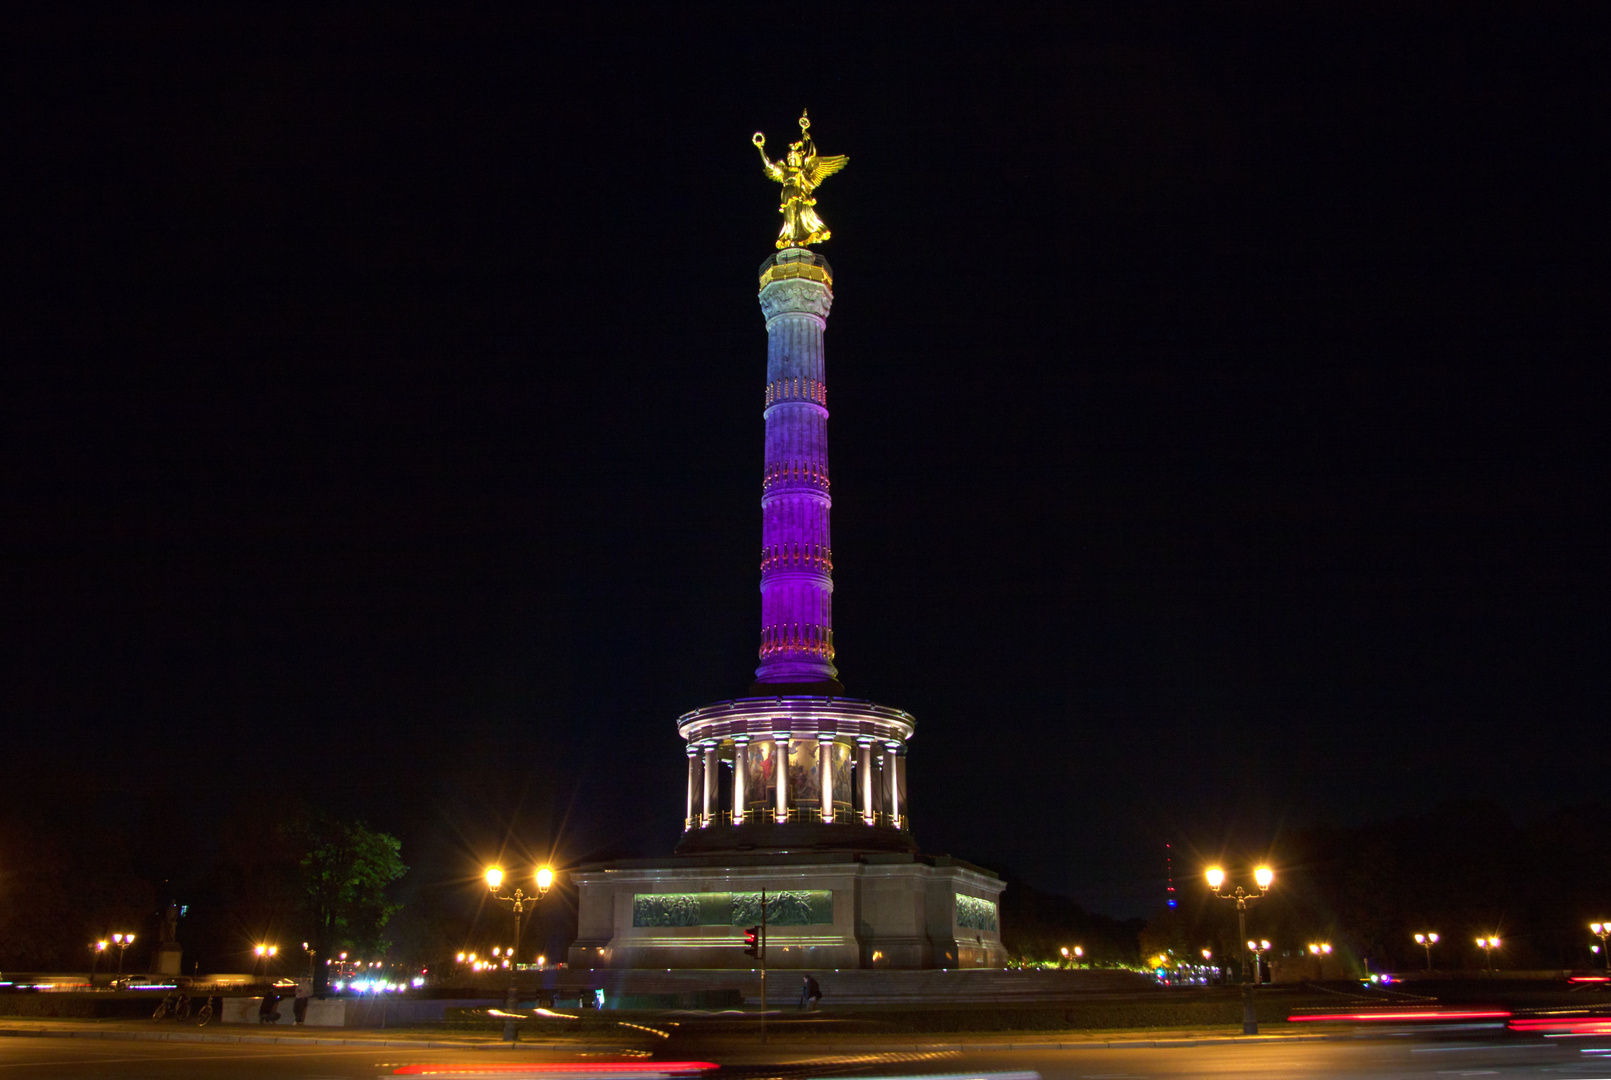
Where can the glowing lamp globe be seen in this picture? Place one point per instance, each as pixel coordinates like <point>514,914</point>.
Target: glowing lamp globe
<point>494,876</point>
<point>1264,875</point>
<point>545,878</point>
<point>1216,877</point>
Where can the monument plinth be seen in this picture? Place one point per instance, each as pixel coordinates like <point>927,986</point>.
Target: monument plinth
<point>793,789</point>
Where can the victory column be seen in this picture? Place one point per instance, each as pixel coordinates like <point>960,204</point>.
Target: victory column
<point>794,788</point>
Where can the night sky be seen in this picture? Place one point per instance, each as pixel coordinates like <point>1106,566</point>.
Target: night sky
<point>1218,413</point>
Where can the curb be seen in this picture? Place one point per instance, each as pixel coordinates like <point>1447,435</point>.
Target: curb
<point>1086,1044</point>
<point>292,1040</point>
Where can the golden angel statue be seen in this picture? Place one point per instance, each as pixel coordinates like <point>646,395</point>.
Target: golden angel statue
<point>800,172</point>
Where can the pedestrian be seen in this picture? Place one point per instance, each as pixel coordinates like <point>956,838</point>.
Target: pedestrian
<point>266,1012</point>
<point>810,993</point>
<point>299,1005</point>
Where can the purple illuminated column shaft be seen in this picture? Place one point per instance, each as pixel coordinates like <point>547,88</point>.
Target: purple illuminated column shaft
<point>796,554</point>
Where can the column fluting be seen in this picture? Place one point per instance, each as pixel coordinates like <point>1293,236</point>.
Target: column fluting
<point>796,546</point>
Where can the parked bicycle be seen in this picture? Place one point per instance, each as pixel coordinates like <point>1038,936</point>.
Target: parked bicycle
<point>176,1006</point>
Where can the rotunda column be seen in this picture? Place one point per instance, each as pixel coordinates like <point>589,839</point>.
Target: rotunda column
<point>710,785</point>
<point>864,773</point>
<point>780,757</point>
<point>741,769</point>
<point>825,775</point>
<point>693,786</point>
<point>892,751</point>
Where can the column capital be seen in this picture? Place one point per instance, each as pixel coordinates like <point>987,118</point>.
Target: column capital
<point>741,740</point>
<point>796,297</point>
<point>826,737</point>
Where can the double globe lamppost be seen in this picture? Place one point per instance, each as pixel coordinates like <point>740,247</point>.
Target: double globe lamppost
<point>1261,960</point>
<point>1263,876</point>
<point>1602,930</point>
<point>544,879</point>
<point>122,941</point>
<point>96,949</point>
<point>1488,945</point>
<point>1426,941</point>
<point>1320,951</point>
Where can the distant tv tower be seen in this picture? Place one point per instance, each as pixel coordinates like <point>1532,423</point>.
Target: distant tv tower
<point>1169,876</point>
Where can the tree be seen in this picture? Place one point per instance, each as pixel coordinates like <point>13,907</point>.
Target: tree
<point>342,878</point>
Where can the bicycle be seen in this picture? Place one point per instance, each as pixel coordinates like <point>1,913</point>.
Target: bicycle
<point>175,1005</point>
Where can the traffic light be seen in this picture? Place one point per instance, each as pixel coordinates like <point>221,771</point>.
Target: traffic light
<point>752,942</point>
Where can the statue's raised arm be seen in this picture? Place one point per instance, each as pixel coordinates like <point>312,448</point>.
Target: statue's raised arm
<point>800,171</point>
<point>773,169</point>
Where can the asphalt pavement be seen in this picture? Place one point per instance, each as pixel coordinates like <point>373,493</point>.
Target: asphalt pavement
<point>1433,1056</point>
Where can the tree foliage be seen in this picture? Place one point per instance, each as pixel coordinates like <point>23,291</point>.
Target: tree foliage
<point>342,874</point>
<point>1037,925</point>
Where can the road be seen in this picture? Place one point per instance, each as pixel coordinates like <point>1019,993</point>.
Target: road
<point>1411,1055</point>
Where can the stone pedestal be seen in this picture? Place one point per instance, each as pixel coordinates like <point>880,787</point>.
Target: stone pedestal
<point>891,910</point>
<point>165,958</point>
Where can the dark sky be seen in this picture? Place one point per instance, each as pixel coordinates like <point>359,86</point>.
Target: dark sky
<point>1218,402</point>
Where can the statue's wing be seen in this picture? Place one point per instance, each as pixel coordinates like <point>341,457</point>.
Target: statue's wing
<point>820,168</point>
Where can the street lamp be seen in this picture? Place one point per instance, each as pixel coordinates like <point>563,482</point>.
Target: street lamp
<point>96,949</point>
<point>1320,951</point>
<point>122,941</point>
<point>1263,876</point>
<point>1602,930</point>
<point>1426,941</point>
<point>1488,945</point>
<point>1258,949</point>
<point>264,953</point>
<point>544,879</point>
